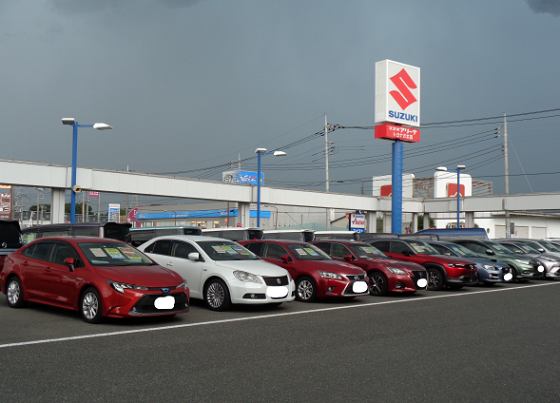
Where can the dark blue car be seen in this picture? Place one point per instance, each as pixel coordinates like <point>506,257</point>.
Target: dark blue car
<point>489,271</point>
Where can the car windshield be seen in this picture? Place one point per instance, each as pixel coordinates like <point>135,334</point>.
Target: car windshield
<point>526,248</point>
<point>305,251</point>
<point>423,248</point>
<point>113,254</point>
<point>461,251</point>
<point>224,250</point>
<point>496,247</point>
<point>551,246</point>
<point>365,251</point>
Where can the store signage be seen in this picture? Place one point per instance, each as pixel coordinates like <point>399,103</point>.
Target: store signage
<point>397,93</point>
<point>391,132</point>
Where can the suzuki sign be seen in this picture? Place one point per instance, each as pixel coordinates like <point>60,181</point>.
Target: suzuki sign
<point>397,93</point>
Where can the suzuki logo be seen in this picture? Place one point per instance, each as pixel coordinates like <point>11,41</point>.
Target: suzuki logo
<point>403,96</point>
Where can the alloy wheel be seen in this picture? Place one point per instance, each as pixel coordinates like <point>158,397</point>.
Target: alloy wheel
<point>13,292</point>
<point>90,305</point>
<point>305,290</point>
<point>215,295</point>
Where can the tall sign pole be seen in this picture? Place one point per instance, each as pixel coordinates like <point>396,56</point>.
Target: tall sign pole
<point>397,110</point>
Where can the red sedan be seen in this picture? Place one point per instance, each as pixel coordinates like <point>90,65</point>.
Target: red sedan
<point>315,273</point>
<point>385,274</point>
<point>96,276</point>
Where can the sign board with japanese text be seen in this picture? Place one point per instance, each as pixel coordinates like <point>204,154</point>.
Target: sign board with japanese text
<point>114,212</point>
<point>5,202</point>
<point>358,222</point>
<point>391,132</point>
<point>397,93</point>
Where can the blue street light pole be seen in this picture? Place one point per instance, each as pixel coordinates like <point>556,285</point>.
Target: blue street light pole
<point>459,168</point>
<point>259,152</point>
<point>72,122</point>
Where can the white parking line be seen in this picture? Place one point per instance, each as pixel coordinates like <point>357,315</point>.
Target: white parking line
<point>214,322</point>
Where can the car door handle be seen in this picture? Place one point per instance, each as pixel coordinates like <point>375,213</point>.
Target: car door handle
<point>169,264</point>
<point>25,263</point>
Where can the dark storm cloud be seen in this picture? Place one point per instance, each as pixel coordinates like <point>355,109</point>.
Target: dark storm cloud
<point>545,6</point>
<point>85,6</point>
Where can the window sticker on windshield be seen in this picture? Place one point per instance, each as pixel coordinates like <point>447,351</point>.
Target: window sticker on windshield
<point>129,253</point>
<point>97,252</point>
<point>301,252</point>
<point>418,248</point>
<point>114,253</point>
<point>368,249</point>
<point>240,249</point>
<point>218,249</point>
<point>311,251</point>
<point>229,249</point>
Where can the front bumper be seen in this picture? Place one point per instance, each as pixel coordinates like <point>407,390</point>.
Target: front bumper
<point>137,303</point>
<point>243,292</point>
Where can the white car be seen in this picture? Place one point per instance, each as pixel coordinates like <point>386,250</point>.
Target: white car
<point>221,272</point>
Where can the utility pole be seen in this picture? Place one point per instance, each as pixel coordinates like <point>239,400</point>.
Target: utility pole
<point>508,233</point>
<point>327,169</point>
<point>127,198</point>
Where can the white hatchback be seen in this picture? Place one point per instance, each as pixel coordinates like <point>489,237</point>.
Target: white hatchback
<point>221,272</point>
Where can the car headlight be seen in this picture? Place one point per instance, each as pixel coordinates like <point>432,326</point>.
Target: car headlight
<point>456,265</point>
<point>120,287</point>
<point>327,274</point>
<point>183,284</point>
<point>489,267</point>
<point>248,277</point>
<point>523,261</point>
<point>394,270</point>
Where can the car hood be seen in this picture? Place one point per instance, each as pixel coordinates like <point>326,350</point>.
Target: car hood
<point>258,267</point>
<point>332,266</point>
<point>491,262</point>
<point>147,276</point>
<point>408,265</point>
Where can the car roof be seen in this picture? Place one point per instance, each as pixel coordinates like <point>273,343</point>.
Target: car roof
<point>191,238</point>
<point>78,239</point>
<point>282,241</point>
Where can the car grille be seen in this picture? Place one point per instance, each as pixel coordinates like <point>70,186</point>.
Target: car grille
<point>356,277</point>
<point>418,274</point>
<point>145,305</point>
<point>276,281</point>
<point>470,279</point>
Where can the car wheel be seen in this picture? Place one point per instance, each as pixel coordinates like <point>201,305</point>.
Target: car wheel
<point>216,295</point>
<point>14,293</point>
<point>435,282</point>
<point>90,306</point>
<point>306,291</point>
<point>377,284</point>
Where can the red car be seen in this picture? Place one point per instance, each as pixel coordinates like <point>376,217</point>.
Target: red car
<point>98,277</point>
<point>385,274</point>
<point>442,270</point>
<point>315,273</point>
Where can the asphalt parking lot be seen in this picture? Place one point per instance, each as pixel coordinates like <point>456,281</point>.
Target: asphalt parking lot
<point>478,344</point>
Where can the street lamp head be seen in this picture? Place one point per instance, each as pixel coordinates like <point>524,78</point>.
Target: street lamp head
<point>461,167</point>
<point>68,121</point>
<point>260,150</point>
<point>279,154</point>
<point>441,169</point>
<point>102,126</point>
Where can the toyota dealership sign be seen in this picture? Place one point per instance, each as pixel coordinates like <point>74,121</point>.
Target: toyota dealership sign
<point>397,93</point>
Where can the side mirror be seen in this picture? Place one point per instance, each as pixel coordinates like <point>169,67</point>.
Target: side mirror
<point>348,257</point>
<point>71,263</point>
<point>541,250</point>
<point>194,256</point>
<point>286,258</point>
<point>447,254</point>
<point>407,253</point>
<point>490,252</point>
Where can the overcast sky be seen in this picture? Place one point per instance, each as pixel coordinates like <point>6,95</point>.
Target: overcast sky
<point>189,85</point>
